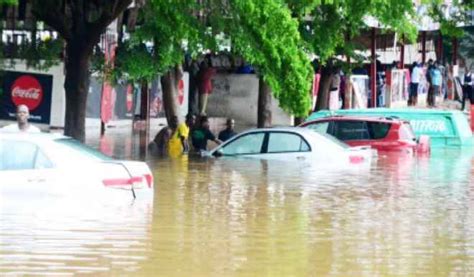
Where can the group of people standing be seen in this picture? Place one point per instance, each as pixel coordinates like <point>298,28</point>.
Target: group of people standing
<point>181,138</point>
<point>434,78</point>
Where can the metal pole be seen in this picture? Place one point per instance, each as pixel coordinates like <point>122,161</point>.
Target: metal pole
<point>348,88</point>
<point>423,46</point>
<point>145,114</point>
<point>373,71</point>
<point>440,48</point>
<point>102,123</point>
<point>455,51</point>
<point>402,53</point>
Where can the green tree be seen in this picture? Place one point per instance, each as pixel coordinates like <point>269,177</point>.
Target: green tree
<point>80,23</point>
<point>261,31</point>
<point>455,24</point>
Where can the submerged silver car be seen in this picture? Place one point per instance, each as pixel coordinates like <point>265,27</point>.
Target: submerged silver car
<point>292,144</point>
<point>45,164</point>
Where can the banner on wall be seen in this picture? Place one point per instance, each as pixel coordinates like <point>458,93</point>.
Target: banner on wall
<point>30,89</point>
<point>125,101</point>
<point>182,98</point>
<point>108,90</point>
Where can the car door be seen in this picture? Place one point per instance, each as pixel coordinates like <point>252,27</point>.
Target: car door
<point>245,145</point>
<point>287,146</point>
<point>25,172</point>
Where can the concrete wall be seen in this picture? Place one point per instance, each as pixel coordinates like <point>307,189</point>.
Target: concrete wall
<point>236,96</point>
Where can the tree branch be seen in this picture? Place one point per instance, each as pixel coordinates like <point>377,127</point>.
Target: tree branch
<point>52,17</point>
<point>110,12</point>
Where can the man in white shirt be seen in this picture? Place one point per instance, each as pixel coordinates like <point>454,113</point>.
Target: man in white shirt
<point>415,80</point>
<point>22,125</point>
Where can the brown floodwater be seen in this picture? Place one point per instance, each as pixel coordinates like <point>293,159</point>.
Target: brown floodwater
<point>229,217</point>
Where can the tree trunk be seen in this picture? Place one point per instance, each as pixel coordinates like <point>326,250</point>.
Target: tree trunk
<point>76,86</point>
<point>144,101</point>
<point>264,115</point>
<point>348,93</point>
<point>298,120</point>
<point>322,103</point>
<point>169,85</point>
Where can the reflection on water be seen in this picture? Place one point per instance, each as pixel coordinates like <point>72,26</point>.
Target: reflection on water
<point>405,216</point>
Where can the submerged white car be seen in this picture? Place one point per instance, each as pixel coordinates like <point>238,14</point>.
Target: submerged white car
<point>292,144</point>
<point>43,164</point>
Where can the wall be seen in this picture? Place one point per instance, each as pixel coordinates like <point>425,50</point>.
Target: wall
<point>236,96</point>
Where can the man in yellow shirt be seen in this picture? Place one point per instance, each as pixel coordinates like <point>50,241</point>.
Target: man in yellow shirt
<point>178,142</point>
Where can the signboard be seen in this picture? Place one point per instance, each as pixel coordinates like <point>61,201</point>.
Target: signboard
<point>360,88</point>
<point>399,90</point>
<point>30,89</point>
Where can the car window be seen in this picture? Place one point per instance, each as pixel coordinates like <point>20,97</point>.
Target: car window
<point>378,130</point>
<point>246,144</point>
<point>42,160</point>
<point>320,127</point>
<point>406,132</point>
<point>286,142</point>
<point>21,155</point>
<point>351,130</point>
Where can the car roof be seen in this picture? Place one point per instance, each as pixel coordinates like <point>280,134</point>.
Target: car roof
<point>299,130</point>
<point>309,135</point>
<point>388,119</point>
<point>34,137</point>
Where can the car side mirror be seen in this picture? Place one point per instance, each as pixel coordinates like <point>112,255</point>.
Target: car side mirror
<point>218,153</point>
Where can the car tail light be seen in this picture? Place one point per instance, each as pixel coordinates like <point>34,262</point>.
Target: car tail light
<point>122,182</point>
<point>149,180</point>
<point>356,159</point>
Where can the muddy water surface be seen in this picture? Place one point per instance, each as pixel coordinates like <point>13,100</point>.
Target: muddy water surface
<point>405,216</point>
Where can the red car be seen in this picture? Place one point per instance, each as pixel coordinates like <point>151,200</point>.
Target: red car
<point>383,134</point>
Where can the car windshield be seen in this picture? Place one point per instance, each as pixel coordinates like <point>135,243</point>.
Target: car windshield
<point>320,127</point>
<point>70,148</point>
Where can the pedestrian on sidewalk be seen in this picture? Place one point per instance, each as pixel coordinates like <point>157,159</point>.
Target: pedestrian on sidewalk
<point>22,125</point>
<point>206,73</point>
<point>334,90</point>
<point>415,77</point>
<point>467,89</point>
<point>435,85</point>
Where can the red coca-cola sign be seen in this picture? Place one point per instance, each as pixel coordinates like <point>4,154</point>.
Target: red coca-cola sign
<point>26,90</point>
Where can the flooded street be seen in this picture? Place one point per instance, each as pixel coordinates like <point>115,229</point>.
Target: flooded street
<point>405,216</point>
